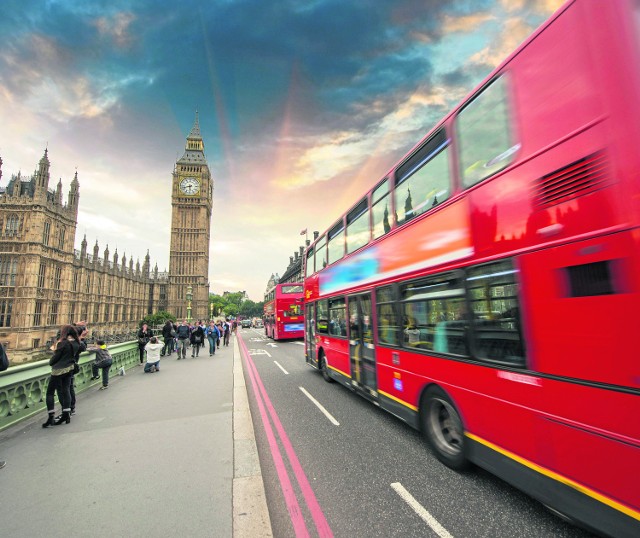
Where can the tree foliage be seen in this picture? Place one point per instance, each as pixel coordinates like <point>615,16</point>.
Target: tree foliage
<point>159,318</point>
<point>234,304</point>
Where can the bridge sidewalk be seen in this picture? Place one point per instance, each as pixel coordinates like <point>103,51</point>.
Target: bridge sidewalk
<point>163,454</point>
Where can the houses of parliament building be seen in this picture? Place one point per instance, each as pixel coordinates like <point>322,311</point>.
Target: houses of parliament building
<point>45,282</point>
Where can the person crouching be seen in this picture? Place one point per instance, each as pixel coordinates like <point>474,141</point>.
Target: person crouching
<point>153,349</point>
<point>103,361</point>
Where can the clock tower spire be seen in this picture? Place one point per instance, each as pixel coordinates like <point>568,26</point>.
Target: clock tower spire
<point>191,198</point>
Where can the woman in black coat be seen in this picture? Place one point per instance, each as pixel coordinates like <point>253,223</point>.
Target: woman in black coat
<point>197,339</point>
<point>62,365</point>
<point>144,335</point>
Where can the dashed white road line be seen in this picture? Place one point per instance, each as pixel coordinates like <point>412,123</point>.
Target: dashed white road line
<point>281,368</point>
<point>420,510</point>
<point>320,406</point>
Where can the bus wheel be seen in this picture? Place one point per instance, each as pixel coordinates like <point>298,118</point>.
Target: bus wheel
<point>324,370</point>
<point>442,427</point>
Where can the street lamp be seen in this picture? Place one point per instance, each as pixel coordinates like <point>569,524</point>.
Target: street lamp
<point>189,299</point>
<point>210,310</point>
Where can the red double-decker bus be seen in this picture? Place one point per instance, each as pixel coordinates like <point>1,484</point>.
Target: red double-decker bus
<point>284,312</point>
<point>486,289</point>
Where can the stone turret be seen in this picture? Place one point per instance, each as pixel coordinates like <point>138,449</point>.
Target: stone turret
<point>58,198</point>
<point>106,256</point>
<point>146,266</point>
<point>115,259</point>
<point>74,193</point>
<point>42,174</point>
<point>83,247</point>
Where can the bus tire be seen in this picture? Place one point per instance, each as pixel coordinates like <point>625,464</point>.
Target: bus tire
<point>443,429</point>
<point>324,370</point>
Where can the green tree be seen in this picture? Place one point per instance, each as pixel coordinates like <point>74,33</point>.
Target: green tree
<point>159,318</point>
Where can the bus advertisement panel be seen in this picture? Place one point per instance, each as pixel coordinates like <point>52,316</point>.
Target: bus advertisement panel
<point>485,289</point>
<point>283,312</point>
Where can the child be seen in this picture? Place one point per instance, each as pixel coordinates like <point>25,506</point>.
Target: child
<point>103,361</point>
<point>153,349</point>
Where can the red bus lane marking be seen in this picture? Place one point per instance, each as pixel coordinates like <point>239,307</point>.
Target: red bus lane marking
<point>291,501</point>
<point>322,526</point>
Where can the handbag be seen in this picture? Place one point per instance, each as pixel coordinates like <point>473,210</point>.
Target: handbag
<point>196,339</point>
<point>76,368</point>
<point>142,341</point>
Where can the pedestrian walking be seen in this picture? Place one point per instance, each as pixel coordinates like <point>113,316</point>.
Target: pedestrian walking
<point>168,333</point>
<point>62,364</point>
<point>182,333</point>
<point>213,336</point>
<point>103,361</point>
<point>197,338</point>
<point>227,332</point>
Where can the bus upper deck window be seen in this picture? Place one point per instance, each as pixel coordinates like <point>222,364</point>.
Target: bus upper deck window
<point>484,134</point>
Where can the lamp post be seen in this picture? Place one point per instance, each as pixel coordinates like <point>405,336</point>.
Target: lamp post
<point>189,299</point>
<point>210,311</point>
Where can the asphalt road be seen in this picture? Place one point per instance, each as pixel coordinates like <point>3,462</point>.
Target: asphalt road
<point>371,475</point>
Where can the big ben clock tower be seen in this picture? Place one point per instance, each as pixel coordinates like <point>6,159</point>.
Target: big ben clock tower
<point>191,196</point>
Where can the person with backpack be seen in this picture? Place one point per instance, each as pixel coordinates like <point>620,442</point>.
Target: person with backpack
<point>168,334</point>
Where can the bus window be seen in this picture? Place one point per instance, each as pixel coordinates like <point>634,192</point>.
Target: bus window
<point>423,181</point>
<point>322,312</point>
<point>435,315</point>
<point>484,135</point>
<point>310,267</point>
<point>337,317</point>
<point>380,210</point>
<point>321,254</point>
<point>493,292</point>
<point>388,328</point>
<point>358,229</point>
<point>335,244</point>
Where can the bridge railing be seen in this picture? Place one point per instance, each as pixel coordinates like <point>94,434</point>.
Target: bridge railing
<point>23,387</point>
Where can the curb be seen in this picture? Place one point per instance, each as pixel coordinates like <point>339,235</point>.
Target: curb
<point>249,503</point>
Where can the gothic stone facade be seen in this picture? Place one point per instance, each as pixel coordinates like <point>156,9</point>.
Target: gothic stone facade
<point>45,283</point>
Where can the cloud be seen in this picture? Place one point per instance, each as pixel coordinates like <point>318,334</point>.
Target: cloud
<point>116,27</point>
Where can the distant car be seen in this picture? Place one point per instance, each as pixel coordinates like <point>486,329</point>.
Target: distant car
<point>245,323</point>
<point>259,324</point>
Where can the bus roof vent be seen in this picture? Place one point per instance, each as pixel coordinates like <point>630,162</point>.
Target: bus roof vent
<point>581,177</point>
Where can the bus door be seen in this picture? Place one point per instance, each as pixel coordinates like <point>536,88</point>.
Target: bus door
<point>361,348</point>
<point>310,330</point>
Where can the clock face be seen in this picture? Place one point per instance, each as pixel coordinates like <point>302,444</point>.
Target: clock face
<point>190,185</point>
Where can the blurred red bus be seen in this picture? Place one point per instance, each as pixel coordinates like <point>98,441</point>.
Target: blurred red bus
<point>485,290</point>
<point>283,312</point>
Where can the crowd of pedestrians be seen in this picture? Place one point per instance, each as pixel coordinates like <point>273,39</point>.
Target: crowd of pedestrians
<point>185,336</point>
<point>70,342</point>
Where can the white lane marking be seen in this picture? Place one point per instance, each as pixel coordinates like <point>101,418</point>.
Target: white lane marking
<point>299,343</point>
<point>420,510</point>
<point>259,352</point>
<point>319,406</point>
<point>281,368</point>
<point>272,344</point>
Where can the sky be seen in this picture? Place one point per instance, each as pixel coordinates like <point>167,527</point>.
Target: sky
<point>303,106</point>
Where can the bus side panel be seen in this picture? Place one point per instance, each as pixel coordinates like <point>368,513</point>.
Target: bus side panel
<point>592,436</point>
<point>337,353</point>
<point>579,320</point>
<point>494,405</point>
